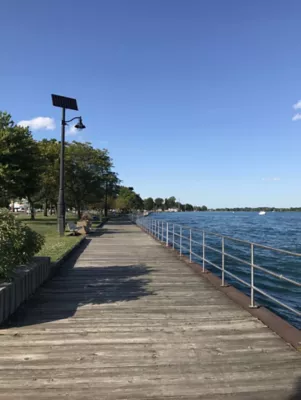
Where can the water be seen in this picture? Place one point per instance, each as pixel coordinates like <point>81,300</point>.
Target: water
<point>279,230</point>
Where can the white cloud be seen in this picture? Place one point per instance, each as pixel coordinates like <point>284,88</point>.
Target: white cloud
<point>39,123</point>
<point>72,131</point>
<point>296,117</point>
<point>297,106</point>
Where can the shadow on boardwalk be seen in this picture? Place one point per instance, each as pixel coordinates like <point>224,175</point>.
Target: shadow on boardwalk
<point>72,288</point>
<point>296,395</point>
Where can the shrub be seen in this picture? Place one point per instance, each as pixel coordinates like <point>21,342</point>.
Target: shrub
<point>18,243</point>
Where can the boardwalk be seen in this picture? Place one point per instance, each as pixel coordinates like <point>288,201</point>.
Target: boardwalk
<point>125,319</point>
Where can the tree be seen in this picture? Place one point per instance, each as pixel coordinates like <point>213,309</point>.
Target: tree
<point>49,151</point>
<point>172,202</point>
<point>86,170</point>
<point>159,202</point>
<point>110,191</point>
<point>20,161</point>
<point>138,203</point>
<point>149,204</point>
<point>188,207</point>
<point>128,200</point>
<point>166,205</point>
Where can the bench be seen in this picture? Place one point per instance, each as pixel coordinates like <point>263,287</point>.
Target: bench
<point>73,228</point>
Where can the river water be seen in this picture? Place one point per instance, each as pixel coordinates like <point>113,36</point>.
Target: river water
<point>276,229</point>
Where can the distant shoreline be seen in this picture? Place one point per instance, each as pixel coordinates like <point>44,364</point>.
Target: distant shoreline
<point>295,209</point>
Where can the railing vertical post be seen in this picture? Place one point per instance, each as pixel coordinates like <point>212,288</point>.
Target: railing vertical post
<point>204,251</point>
<point>167,234</point>
<point>223,261</point>
<point>190,246</point>
<point>252,305</point>
<point>180,241</point>
<point>173,236</point>
<point>162,232</point>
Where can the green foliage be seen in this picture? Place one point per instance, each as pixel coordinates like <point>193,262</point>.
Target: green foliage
<point>20,160</point>
<point>198,208</point>
<point>170,203</point>
<point>159,202</point>
<point>18,243</point>
<point>149,204</point>
<point>87,171</point>
<point>128,200</point>
<point>188,207</point>
<point>49,172</point>
<point>30,169</point>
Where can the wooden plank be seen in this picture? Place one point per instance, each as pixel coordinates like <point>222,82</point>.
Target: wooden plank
<point>125,319</point>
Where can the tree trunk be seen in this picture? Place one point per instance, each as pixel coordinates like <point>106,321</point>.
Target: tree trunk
<point>78,211</point>
<point>32,213</point>
<point>45,208</point>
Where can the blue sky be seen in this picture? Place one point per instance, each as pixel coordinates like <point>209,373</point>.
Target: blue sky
<point>193,98</point>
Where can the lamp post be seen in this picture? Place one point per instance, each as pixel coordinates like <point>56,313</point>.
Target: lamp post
<point>106,199</point>
<point>71,104</point>
<point>106,176</point>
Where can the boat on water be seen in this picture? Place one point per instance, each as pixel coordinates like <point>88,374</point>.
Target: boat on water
<point>261,213</point>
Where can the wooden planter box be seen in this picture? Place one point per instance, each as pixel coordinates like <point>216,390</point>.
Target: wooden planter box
<point>27,280</point>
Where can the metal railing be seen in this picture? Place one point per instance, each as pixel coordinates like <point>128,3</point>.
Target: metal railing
<point>189,240</point>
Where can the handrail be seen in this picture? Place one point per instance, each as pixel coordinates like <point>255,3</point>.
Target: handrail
<point>238,240</point>
<point>166,232</point>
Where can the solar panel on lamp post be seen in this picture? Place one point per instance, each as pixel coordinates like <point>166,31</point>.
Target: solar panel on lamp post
<point>70,104</point>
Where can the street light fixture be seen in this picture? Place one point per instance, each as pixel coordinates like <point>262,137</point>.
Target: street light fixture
<point>70,104</point>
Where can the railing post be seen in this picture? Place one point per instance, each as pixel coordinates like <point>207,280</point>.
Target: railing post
<point>204,251</point>
<point>190,246</point>
<point>223,262</point>
<point>180,241</point>
<point>252,305</point>
<point>166,234</point>
<point>173,236</point>
<point>162,230</point>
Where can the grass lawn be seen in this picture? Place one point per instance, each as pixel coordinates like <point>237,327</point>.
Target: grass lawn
<point>54,246</point>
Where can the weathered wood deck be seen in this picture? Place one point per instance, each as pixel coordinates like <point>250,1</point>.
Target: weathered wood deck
<point>125,319</point>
